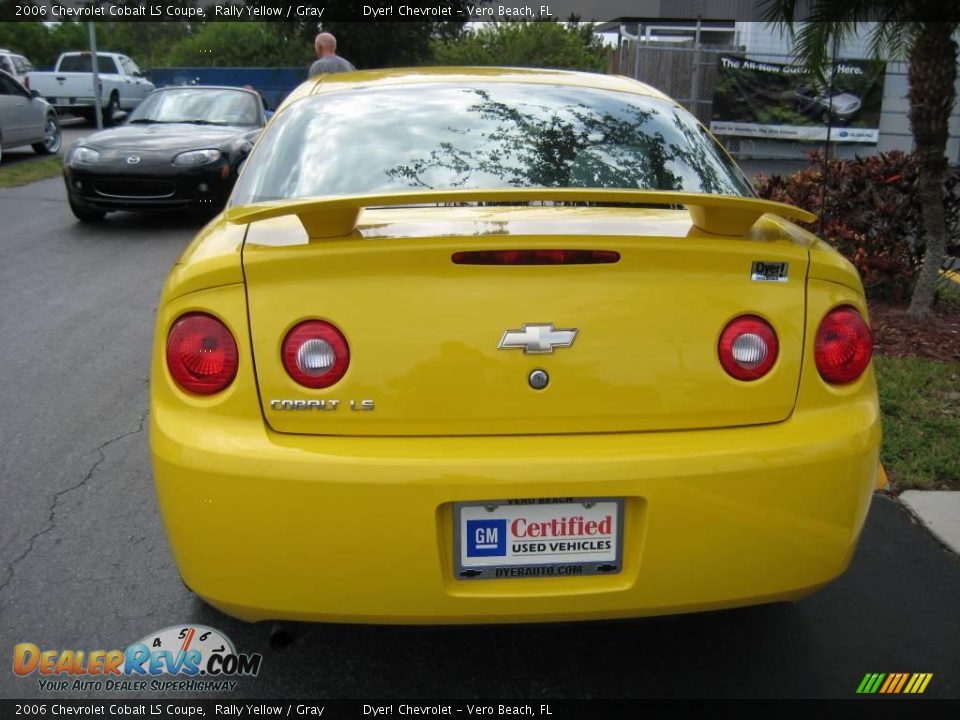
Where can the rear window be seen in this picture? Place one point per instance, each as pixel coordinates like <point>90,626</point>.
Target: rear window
<point>82,63</point>
<point>391,139</point>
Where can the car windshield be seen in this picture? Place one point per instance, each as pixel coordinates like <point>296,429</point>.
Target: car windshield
<point>500,135</point>
<point>200,106</point>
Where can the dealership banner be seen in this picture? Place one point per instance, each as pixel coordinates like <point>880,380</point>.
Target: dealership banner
<point>786,102</point>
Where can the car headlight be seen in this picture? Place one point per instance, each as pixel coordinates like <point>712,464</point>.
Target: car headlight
<point>197,157</point>
<point>83,156</point>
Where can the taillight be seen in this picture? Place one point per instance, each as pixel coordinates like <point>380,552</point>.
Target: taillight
<point>315,354</point>
<point>535,257</point>
<point>748,347</point>
<point>843,346</point>
<point>201,354</point>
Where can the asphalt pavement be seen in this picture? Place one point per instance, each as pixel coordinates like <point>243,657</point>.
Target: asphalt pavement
<point>84,562</point>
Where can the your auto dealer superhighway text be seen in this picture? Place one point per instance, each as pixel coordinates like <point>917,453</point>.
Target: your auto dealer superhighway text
<point>405,709</point>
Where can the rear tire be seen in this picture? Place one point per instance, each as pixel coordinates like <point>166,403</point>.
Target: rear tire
<point>86,214</point>
<point>53,137</point>
<point>113,107</point>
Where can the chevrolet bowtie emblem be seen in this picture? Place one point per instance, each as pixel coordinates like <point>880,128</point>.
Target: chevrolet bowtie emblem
<point>537,339</point>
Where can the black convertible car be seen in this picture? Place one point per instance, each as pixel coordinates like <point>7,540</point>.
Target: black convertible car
<point>181,148</point>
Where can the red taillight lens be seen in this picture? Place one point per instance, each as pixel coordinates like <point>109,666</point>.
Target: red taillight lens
<point>201,354</point>
<point>843,346</point>
<point>748,347</point>
<point>535,257</point>
<point>315,354</point>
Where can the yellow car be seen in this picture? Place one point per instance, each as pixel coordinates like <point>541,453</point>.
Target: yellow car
<point>501,345</point>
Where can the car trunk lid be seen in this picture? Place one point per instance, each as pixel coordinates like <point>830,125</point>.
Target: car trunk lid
<point>632,344</point>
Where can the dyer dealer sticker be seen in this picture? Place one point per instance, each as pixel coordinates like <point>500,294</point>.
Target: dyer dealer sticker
<point>548,537</point>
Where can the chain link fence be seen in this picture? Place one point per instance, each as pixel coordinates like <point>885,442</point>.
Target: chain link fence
<point>686,73</point>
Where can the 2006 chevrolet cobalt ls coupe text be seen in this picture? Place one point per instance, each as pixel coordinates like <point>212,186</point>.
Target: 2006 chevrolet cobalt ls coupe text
<point>502,346</point>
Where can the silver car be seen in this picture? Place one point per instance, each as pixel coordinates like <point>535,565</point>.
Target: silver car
<point>818,102</point>
<point>26,119</point>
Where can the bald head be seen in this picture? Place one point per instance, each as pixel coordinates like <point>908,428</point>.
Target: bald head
<point>325,44</point>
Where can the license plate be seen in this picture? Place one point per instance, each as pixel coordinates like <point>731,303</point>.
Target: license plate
<point>545,537</point>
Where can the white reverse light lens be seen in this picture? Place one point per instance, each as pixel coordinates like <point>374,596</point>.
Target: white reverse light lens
<point>84,156</point>
<point>315,357</point>
<point>197,157</point>
<point>749,350</point>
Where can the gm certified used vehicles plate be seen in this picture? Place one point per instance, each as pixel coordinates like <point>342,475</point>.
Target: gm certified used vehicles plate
<point>484,345</point>
<point>538,537</point>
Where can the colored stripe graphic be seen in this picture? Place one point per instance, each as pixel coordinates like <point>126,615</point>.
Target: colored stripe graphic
<point>894,683</point>
<point>903,679</point>
<point>891,682</point>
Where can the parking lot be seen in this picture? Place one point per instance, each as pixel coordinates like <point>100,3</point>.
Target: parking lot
<point>84,561</point>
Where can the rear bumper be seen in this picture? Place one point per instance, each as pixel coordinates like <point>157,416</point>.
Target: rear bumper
<point>268,526</point>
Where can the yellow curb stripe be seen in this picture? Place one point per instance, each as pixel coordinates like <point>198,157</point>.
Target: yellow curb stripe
<point>926,681</point>
<point>912,683</point>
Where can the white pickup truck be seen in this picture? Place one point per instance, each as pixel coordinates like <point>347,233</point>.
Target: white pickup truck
<point>69,87</point>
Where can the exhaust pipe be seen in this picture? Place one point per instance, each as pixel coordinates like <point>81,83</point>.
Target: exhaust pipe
<point>282,635</point>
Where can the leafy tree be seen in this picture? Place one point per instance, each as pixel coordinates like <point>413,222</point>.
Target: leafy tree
<point>373,44</point>
<point>380,44</point>
<point>527,144</point>
<point>932,55</point>
<point>147,43</point>
<point>538,43</point>
<point>41,43</point>
<point>238,44</point>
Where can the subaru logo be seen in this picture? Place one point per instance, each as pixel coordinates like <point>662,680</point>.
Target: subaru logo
<point>537,339</point>
<point>133,159</point>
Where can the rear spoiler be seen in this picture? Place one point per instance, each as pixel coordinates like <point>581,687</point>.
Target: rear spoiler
<point>338,215</point>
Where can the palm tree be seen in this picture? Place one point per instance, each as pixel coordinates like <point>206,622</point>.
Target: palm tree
<point>898,29</point>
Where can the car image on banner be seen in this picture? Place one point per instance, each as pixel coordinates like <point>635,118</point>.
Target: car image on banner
<point>784,102</point>
<point>483,345</point>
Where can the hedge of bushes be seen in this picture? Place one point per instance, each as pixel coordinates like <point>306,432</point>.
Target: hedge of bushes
<point>871,214</point>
